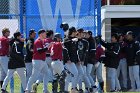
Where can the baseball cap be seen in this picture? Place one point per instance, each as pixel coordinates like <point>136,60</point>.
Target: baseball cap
<point>31,31</point>
<point>80,30</point>
<point>129,33</point>
<point>90,33</point>
<point>41,31</point>
<point>16,34</point>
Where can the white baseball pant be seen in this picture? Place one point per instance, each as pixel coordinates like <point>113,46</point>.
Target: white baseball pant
<point>57,67</point>
<point>73,69</point>
<point>2,74</point>
<point>29,68</point>
<point>21,73</point>
<point>85,78</point>
<point>98,72</point>
<point>4,67</point>
<point>40,78</point>
<point>49,61</point>
<point>113,79</point>
<point>89,69</point>
<point>39,67</point>
<point>80,73</point>
<point>122,68</point>
<point>3,71</point>
<point>134,76</point>
<point>50,72</point>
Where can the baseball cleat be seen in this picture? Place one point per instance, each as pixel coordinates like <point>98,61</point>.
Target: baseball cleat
<point>35,88</point>
<point>4,91</point>
<point>81,91</point>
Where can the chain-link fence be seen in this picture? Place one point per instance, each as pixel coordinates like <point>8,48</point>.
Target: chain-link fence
<point>9,14</point>
<point>24,15</point>
<point>50,14</point>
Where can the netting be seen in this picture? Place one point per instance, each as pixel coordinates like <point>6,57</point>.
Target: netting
<point>23,15</point>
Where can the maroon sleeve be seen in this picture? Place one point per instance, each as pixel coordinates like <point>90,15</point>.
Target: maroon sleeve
<point>60,50</point>
<point>99,52</point>
<point>5,46</point>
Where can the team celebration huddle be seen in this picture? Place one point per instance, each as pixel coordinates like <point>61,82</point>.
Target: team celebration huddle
<point>73,64</point>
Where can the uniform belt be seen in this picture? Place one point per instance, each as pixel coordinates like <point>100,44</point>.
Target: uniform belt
<point>3,55</point>
<point>57,60</point>
<point>48,55</point>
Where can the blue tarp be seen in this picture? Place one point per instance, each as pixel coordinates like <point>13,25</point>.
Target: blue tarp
<point>49,14</point>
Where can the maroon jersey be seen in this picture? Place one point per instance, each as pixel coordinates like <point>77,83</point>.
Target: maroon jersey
<point>57,49</point>
<point>48,41</point>
<point>4,46</point>
<point>39,44</point>
<point>122,53</point>
<point>99,52</point>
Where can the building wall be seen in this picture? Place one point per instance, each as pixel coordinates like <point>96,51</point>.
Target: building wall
<point>106,29</point>
<point>121,2</point>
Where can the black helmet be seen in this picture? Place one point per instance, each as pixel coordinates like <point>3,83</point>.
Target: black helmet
<point>64,26</point>
<point>130,33</point>
<point>57,35</point>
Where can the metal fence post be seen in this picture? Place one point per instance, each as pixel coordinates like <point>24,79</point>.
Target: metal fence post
<point>21,16</point>
<point>21,26</point>
<point>99,17</point>
<point>94,16</point>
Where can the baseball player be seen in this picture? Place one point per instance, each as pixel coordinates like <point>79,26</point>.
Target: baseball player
<point>57,63</point>
<point>16,62</point>
<point>98,66</point>
<point>83,47</point>
<point>4,53</point>
<point>112,61</point>
<point>122,68</point>
<point>131,50</point>
<point>91,58</point>
<point>39,64</point>
<point>29,55</point>
<point>48,40</point>
<point>70,46</point>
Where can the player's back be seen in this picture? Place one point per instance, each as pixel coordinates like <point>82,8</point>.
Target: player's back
<point>57,50</point>
<point>4,46</point>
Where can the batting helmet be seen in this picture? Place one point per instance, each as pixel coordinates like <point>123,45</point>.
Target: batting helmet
<point>57,35</point>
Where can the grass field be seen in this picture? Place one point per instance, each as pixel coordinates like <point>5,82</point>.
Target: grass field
<point>17,85</point>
